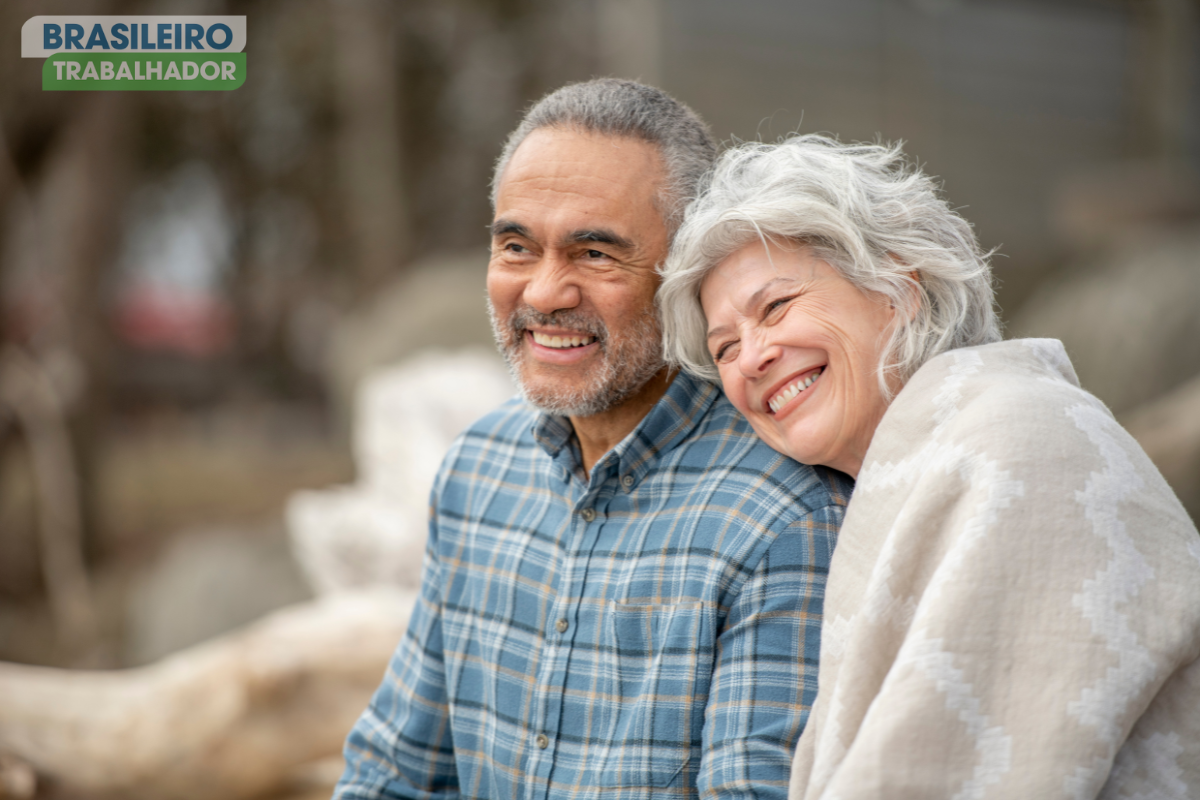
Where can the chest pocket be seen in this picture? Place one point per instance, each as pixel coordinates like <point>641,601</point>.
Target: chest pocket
<point>663,669</point>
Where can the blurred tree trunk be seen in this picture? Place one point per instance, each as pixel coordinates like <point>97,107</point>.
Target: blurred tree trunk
<point>70,201</point>
<point>366,81</point>
<point>1163,77</point>
<point>79,213</point>
<point>29,396</point>
<point>630,39</point>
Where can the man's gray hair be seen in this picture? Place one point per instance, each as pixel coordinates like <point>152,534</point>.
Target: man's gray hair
<point>614,107</point>
<point>861,208</point>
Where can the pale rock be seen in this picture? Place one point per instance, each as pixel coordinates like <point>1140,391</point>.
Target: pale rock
<point>373,532</point>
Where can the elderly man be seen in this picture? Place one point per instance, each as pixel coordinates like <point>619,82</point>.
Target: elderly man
<point>622,588</point>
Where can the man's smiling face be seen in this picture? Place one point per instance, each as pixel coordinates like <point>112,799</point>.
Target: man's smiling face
<point>575,242</point>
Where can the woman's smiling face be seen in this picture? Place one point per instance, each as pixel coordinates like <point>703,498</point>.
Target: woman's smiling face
<point>798,347</point>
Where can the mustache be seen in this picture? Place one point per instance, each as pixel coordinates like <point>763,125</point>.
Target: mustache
<point>575,320</point>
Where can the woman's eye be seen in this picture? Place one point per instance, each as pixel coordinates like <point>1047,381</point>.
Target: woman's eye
<point>724,352</point>
<point>776,304</point>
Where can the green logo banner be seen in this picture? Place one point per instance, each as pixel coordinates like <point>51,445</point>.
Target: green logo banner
<point>102,72</point>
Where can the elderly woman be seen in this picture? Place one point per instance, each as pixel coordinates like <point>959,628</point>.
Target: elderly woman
<point>1013,608</point>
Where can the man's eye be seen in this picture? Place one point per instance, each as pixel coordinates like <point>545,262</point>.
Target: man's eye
<point>596,254</point>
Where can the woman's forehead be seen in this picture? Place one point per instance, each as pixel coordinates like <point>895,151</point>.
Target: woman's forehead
<point>756,268</point>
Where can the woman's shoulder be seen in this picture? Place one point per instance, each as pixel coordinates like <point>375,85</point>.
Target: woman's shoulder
<point>1015,410</point>
<point>1008,391</point>
<point>1015,361</point>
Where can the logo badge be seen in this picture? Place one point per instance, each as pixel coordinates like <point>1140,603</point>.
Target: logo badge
<point>137,53</point>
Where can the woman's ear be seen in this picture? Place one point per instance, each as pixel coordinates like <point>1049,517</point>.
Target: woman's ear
<point>911,295</point>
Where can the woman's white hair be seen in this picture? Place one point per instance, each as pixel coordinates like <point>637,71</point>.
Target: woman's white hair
<point>861,208</point>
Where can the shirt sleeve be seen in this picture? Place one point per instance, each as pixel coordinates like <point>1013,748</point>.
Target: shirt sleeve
<point>765,679</point>
<point>402,746</point>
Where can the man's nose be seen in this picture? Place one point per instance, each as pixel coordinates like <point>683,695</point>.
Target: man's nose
<point>552,286</point>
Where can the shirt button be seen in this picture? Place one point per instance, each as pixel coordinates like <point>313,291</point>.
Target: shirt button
<point>541,741</point>
<point>627,481</point>
<point>561,626</point>
<point>589,514</point>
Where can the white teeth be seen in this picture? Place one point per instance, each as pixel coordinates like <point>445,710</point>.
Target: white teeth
<point>780,400</point>
<point>562,342</point>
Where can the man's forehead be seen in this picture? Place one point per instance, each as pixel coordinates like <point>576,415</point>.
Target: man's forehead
<point>583,157</point>
<point>566,187</point>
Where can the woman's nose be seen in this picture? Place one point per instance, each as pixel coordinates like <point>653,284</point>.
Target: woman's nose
<point>552,286</point>
<point>756,357</point>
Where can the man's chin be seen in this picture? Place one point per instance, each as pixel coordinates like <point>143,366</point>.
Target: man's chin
<point>584,399</point>
<point>562,400</point>
<point>594,385</point>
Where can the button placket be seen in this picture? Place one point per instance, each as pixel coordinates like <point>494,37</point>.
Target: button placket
<point>558,641</point>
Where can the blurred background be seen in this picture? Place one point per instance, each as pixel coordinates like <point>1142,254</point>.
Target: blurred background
<point>194,285</point>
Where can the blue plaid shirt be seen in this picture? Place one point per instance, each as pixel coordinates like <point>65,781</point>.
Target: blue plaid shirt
<point>648,630</point>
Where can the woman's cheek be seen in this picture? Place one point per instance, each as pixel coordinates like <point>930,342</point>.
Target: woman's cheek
<point>735,390</point>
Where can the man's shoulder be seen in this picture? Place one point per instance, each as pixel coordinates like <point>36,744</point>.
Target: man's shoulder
<point>505,429</point>
<point>724,444</point>
<point>509,423</point>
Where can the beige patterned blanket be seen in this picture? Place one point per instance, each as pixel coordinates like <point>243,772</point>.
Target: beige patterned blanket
<point>1013,608</point>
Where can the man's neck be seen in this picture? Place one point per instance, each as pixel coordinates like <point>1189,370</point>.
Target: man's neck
<point>602,432</point>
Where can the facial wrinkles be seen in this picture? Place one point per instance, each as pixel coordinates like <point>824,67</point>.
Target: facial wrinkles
<point>570,186</point>
<point>854,382</point>
<point>823,323</point>
<point>559,186</point>
<point>830,337</point>
<point>628,360</point>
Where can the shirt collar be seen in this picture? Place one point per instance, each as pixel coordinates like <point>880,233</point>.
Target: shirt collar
<point>669,422</point>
